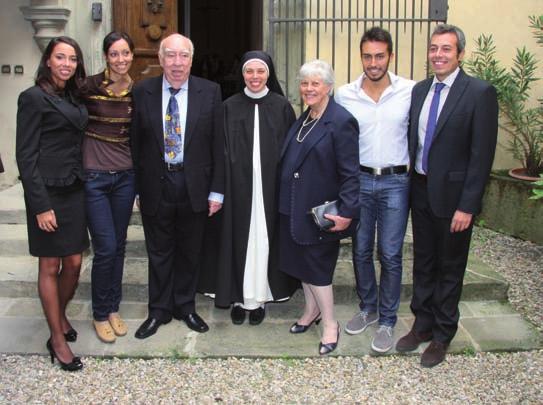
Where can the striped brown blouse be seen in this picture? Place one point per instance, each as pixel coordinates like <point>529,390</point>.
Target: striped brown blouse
<point>106,144</point>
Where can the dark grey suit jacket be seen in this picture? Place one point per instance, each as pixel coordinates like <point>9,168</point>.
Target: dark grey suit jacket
<point>203,142</point>
<point>462,151</point>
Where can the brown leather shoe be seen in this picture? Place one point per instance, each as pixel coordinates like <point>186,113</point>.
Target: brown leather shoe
<point>412,340</point>
<point>434,354</point>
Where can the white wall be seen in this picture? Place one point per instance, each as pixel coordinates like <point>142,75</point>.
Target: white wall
<point>17,47</point>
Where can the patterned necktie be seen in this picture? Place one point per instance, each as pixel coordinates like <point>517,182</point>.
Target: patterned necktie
<point>431,125</point>
<point>172,134</point>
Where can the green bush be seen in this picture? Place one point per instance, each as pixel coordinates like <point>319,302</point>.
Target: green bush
<point>522,123</point>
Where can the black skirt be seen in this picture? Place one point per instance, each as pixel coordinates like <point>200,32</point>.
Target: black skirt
<point>71,236</point>
<point>312,264</point>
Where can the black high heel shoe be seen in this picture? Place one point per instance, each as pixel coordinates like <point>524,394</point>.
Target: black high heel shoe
<point>74,365</point>
<point>325,348</point>
<point>71,335</point>
<point>297,328</point>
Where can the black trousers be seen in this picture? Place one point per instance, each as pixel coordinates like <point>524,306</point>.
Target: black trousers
<point>440,259</point>
<point>173,238</point>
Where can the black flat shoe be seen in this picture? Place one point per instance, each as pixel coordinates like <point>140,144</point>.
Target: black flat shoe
<point>326,348</point>
<point>237,314</point>
<point>297,328</point>
<point>194,322</point>
<point>74,365</point>
<point>148,328</point>
<point>256,316</point>
<point>71,335</point>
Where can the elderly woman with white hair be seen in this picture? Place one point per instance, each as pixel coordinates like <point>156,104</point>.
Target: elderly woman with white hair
<point>319,164</point>
<point>256,120</point>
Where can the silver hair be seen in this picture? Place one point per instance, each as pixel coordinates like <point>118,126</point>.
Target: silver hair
<point>161,47</point>
<point>452,29</point>
<point>318,68</point>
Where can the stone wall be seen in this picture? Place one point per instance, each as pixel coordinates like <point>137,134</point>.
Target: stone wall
<point>508,209</point>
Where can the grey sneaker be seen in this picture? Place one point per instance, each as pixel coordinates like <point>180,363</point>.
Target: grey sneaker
<point>360,322</point>
<point>382,341</point>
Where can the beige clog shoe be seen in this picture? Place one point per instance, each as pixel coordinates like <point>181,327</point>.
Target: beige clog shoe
<point>104,331</point>
<point>117,324</point>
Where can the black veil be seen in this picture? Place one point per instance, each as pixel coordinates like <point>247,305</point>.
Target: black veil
<point>273,83</point>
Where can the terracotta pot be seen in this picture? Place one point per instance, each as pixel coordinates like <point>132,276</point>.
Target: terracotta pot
<point>520,173</point>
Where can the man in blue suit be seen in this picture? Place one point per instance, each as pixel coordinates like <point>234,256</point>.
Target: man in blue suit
<point>452,139</point>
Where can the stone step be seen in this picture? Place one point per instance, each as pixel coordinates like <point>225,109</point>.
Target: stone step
<point>13,242</point>
<point>484,326</point>
<point>18,276</point>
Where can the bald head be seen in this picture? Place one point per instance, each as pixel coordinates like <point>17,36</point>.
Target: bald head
<point>171,39</point>
<point>175,57</point>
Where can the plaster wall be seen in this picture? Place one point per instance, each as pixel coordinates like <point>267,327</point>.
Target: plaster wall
<point>17,47</point>
<point>507,21</point>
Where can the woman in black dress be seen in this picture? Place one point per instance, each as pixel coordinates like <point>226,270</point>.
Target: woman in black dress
<point>50,126</point>
<point>319,163</point>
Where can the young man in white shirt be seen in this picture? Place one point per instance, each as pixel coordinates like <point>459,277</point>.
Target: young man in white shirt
<point>380,101</point>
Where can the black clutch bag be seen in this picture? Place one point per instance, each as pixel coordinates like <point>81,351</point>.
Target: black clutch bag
<point>329,207</point>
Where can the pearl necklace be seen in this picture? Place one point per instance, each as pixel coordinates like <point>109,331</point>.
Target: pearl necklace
<point>299,137</point>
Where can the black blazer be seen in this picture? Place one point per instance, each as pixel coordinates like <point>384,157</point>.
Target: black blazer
<point>326,169</point>
<point>462,151</point>
<point>49,133</point>
<point>203,143</point>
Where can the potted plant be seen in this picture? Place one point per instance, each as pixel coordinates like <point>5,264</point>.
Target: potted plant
<point>522,122</point>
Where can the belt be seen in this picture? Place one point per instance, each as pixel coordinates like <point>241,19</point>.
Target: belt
<point>174,167</point>
<point>382,171</point>
<point>421,177</point>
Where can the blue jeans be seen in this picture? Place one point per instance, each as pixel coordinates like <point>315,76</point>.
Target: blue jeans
<point>109,202</point>
<point>385,206</point>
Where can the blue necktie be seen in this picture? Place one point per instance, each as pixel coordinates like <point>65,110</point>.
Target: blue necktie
<point>431,125</point>
<point>172,135</point>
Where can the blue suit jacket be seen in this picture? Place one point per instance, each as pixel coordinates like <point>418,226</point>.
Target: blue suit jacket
<point>326,169</point>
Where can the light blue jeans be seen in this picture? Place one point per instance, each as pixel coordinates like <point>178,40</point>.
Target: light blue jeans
<point>384,208</point>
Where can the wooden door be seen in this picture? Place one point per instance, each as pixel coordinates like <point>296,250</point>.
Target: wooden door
<point>147,22</point>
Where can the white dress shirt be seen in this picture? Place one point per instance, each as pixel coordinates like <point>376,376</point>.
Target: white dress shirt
<point>423,117</point>
<point>383,124</point>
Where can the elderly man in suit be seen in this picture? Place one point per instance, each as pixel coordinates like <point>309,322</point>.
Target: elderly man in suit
<point>452,139</point>
<point>177,146</point>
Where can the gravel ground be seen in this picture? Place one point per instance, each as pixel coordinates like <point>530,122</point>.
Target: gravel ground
<point>521,263</point>
<point>511,378</point>
<point>483,378</point>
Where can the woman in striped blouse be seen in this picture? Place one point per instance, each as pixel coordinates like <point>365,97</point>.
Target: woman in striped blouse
<point>110,181</point>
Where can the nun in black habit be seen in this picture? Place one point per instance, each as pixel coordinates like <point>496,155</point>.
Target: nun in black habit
<point>256,121</point>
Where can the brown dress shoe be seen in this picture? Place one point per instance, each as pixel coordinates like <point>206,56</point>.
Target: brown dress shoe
<point>412,340</point>
<point>434,354</point>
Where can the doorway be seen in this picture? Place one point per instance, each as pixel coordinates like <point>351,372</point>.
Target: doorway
<point>221,30</point>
